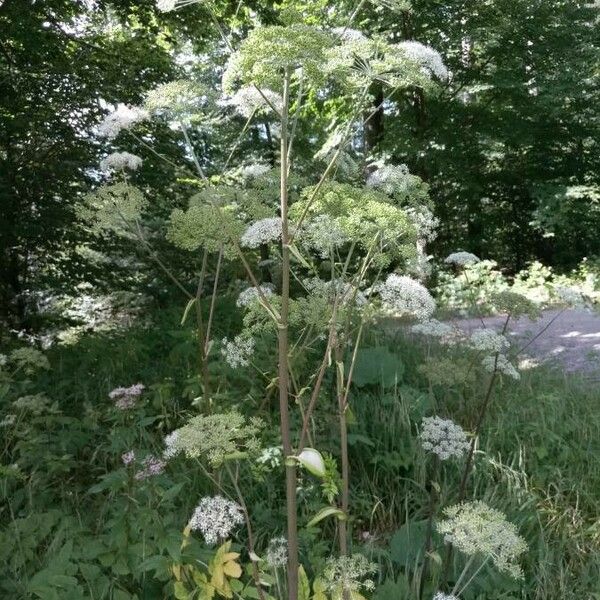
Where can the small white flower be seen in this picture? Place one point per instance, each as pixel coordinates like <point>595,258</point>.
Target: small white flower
<point>170,5</point>
<point>250,295</point>
<point>433,328</point>
<point>119,161</point>
<point>487,340</point>
<point>348,35</point>
<point>172,449</point>
<point>125,398</point>
<point>277,553</point>
<point>461,259</point>
<point>124,117</point>
<point>166,5</point>
<point>270,457</point>
<point>249,100</point>
<point>405,296</point>
<point>262,232</point>
<point>430,59</point>
<point>443,437</point>
<point>216,517</point>
<point>254,170</point>
<point>442,596</point>
<point>390,179</point>
<point>501,364</point>
<point>322,233</point>
<point>476,529</point>
<point>237,352</point>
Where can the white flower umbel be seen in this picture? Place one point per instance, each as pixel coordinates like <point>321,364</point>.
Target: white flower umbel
<point>249,100</point>
<point>119,161</point>
<point>425,222</point>
<point>345,34</point>
<point>488,341</point>
<point>124,117</point>
<point>476,529</point>
<point>237,352</point>
<point>390,179</point>
<point>215,518</point>
<point>502,365</point>
<point>443,437</point>
<point>254,170</point>
<point>277,553</point>
<point>170,5</point>
<point>322,234</point>
<point>461,259</point>
<point>442,596</point>
<point>433,328</point>
<point>405,296</point>
<point>347,574</point>
<point>250,295</point>
<point>262,232</point>
<point>172,449</point>
<point>125,398</point>
<point>430,59</point>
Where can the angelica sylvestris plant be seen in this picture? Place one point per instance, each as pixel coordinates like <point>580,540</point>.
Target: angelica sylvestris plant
<point>323,259</point>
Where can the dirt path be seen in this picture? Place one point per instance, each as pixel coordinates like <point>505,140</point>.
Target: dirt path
<point>570,338</point>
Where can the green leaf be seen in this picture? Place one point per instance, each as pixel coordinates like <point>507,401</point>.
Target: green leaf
<point>180,591</point>
<point>186,312</point>
<point>408,543</point>
<point>328,511</point>
<point>377,366</point>
<point>303,584</point>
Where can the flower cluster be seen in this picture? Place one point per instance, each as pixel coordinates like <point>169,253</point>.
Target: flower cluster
<point>29,360</point>
<point>269,50</point>
<point>500,364</point>
<point>442,596</point>
<point>216,517</point>
<point>277,553</point>
<point>461,259</point>
<point>128,458</point>
<point>476,529</point>
<point>433,328</point>
<point>262,232</point>
<point>348,573</point>
<point>488,341</point>
<point>125,398</point>
<point>123,117</point>
<point>428,58</point>
<point>215,437</point>
<point>271,457</point>
<point>238,351</point>
<point>389,178</point>
<point>33,403</point>
<point>254,170</point>
<point>342,291</point>
<point>179,99</point>
<point>322,234</point>
<point>425,222</point>
<point>170,5</point>
<point>119,161</point>
<point>443,437</point>
<point>249,100</point>
<point>113,207</point>
<point>151,466</point>
<point>405,296</point>
<point>250,295</point>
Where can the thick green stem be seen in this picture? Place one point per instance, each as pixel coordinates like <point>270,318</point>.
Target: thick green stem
<point>283,349</point>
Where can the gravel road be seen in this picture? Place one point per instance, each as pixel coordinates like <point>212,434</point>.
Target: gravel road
<point>569,338</point>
